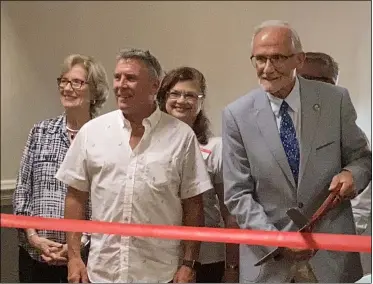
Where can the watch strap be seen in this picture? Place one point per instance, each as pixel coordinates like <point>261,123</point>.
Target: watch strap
<point>194,264</point>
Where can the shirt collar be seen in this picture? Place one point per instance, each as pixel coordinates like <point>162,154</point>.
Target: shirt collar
<point>150,121</point>
<point>293,100</point>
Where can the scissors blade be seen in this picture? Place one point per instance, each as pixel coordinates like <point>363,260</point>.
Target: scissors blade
<point>297,217</point>
<point>272,255</point>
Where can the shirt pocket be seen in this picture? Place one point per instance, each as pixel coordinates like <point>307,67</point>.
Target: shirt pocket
<point>160,171</point>
<point>325,145</point>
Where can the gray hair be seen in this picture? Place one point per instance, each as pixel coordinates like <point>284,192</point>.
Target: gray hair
<point>146,57</point>
<point>96,78</point>
<point>326,61</point>
<point>282,24</point>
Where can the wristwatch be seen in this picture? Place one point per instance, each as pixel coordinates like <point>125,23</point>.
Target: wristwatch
<point>194,264</point>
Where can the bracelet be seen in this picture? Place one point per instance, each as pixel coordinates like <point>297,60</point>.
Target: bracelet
<point>232,266</point>
<point>32,234</point>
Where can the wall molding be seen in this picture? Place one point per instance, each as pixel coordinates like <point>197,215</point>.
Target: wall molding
<point>7,189</point>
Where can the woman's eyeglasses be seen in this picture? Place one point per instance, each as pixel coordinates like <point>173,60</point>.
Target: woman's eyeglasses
<point>188,96</point>
<point>75,84</point>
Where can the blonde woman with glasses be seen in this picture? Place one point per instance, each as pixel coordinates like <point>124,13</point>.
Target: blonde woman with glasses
<point>83,89</point>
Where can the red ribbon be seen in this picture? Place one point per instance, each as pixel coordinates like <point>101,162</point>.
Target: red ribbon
<point>351,243</point>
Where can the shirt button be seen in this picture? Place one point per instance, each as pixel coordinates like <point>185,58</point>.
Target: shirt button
<point>300,205</point>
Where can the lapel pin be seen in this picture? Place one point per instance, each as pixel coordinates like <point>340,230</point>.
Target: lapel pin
<point>316,107</point>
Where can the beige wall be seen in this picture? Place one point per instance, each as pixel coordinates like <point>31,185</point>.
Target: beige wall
<point>211,36</point>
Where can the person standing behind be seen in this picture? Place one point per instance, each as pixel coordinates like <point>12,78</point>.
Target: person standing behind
<point>182,95</point>
<point>139,165</point>
<point>322,67</point>
<point>288,144</point>
<point>83,89</point>
<point>319,66</point>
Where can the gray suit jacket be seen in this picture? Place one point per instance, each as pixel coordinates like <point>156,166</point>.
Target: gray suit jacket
<point>259,186</point>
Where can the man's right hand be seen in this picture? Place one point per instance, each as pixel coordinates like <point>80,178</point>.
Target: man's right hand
<point>77,271</point>
<point>298,254</point>
<point>47,248</point>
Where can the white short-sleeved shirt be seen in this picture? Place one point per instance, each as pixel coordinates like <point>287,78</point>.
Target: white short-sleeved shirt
<point>143,186</point>
<point>361,208</point>
<point>212,154</point>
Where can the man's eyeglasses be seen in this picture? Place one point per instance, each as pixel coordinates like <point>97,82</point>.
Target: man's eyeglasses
<point>75,84</point>
<point>277,60</point>
<point>188,96</point>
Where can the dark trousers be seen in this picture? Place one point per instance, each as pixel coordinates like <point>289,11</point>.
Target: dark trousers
<point>211,273</point>
<point>33,271</point>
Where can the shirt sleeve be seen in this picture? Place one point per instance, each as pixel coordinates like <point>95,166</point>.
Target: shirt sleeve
<point>361,208</point>
<point>216,162</point>
<point>239,183</point>
<point>356,155</point>
<point>73,170</point>
<point>23,189</point>
<point>195,178</point>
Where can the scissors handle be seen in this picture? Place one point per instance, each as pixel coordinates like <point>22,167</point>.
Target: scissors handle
<point>330,202</point>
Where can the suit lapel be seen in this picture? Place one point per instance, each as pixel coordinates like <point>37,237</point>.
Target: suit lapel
<point>268,127</point>
<point>311,108</point>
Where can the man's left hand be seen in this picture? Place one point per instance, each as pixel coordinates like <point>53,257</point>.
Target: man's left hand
<point>344,184</point>
<point>185,274</point>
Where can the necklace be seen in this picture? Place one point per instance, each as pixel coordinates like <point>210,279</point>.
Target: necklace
<point>72,132</point>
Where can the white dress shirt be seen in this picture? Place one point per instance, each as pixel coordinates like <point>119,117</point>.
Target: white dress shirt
<point>293,100</point>
<point>361,208</point>
<point>142,186</point>
<point>212,154</point>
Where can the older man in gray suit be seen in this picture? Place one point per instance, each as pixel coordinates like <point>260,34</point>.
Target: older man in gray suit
<point>287,144</point>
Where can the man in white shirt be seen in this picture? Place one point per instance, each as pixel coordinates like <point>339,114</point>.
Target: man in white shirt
<point>139,165</point>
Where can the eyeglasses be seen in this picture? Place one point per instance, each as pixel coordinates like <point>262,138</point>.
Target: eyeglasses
<point>277,60</point>
<point>75,84</point>
<point>188,96</point>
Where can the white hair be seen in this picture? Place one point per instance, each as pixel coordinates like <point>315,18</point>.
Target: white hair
<point>281,24</point>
